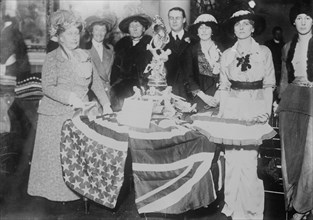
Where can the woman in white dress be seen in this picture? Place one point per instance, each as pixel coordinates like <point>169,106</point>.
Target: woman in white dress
<point>247,80</point>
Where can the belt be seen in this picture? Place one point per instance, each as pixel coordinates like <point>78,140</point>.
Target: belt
<point>237,85</point>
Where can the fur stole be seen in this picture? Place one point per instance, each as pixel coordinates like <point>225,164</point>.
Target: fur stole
<point>290,55</point>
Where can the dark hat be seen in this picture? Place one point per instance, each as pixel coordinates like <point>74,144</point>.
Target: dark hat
<point>109,22</point>
<point>207,19</point>
<point>143,19</point>
<point>302,7</point>
<point>240,12</point>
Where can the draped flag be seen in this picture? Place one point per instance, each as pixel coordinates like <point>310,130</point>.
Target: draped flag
<point>231,131</point>
<point>171,169</point>
<point>93,156</point>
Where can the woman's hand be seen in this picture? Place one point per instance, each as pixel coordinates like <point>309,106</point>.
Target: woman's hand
<point>75,102</point>
<point>216,68</point>
<point>262,118</point>
<point>107,109</point>
<point>209,100</point>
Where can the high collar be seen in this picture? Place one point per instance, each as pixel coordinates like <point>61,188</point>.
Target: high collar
<point>180,34</point>
<point>96,44</point>
<point>255,47</point>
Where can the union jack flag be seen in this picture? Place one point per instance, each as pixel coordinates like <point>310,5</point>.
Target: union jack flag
<point>171,169</point>
<point>93,157</point>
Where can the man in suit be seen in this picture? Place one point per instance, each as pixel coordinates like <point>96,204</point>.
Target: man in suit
<point>179,40</point>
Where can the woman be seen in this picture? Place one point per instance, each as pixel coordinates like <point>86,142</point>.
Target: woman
<point>131,59</point>
<point>247,80</point>
<point>66,75</point>
<point>102,53</point>
<point>202,62</point>
<point>295,114</point>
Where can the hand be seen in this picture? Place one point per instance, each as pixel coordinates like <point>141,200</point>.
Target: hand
<point>216,68</point>
<point>275,106</point>
<point>2,69</point>
<point>75,102</point>
<point>262,118</point>
<point>209,100</point>
<point>107,109</point>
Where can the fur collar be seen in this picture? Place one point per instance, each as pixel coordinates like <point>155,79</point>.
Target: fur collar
<point>290,55</point>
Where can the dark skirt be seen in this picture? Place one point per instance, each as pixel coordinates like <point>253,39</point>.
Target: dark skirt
<point>296,125</point>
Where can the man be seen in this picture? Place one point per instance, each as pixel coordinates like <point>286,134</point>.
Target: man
<point>131,59</point>
<point>179,40</point>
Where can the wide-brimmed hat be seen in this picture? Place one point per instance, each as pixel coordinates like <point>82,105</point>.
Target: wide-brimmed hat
<point>109,22</point>
<point>61,20</point>
<point>207,19</point>
<point>301,7</point>
<point>240,12</point>
<point>143,19</point>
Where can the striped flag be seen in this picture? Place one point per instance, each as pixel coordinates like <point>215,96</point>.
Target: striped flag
<point>93,156</point>
<point>171,168</point>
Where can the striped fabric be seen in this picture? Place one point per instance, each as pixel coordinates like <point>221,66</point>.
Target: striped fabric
<point>171,168</point>
<point>29,87</point>
<point>171,164</point>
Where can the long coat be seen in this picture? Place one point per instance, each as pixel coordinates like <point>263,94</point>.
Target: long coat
<point>59,79</point>
<point>174,76</point>
<point>128,68</point>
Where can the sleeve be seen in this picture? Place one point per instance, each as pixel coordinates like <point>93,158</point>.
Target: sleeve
<point>269,75</point>
<point>50,81</point>
<point>98,89</point>
<point>188,71</point>
<point>269,79</point>
<point>116,71</point>
<point>284,74</point>
<point>110,63</point>
<point>224,81</point>
<point>223,92</point>
<point>7,45</point>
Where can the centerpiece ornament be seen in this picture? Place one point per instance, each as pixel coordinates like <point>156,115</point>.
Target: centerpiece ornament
<point>157,77</point>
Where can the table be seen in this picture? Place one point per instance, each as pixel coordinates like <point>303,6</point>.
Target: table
<point>170,163</point>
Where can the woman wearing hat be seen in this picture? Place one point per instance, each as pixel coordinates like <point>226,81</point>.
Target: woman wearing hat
<point>131,59</point>
<point>102,53</point>
<point>202,62</point>
<point>66,76</point>
<point>247,80</point>
<point>296,114</point>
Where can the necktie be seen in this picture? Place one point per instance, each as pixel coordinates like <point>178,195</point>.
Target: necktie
<point>177,41</point>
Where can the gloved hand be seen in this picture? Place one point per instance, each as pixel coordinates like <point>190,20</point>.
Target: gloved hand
<point>107,109</point>
<point>74,101</point>
<point>262,118</point>
<point>209,100</point>
<point>2,69</point>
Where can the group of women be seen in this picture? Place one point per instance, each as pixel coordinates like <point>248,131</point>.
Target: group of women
<point>240,80</point>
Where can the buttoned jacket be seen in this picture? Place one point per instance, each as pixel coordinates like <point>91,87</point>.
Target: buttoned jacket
<point>103,67</point>
<point>59,80</point>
